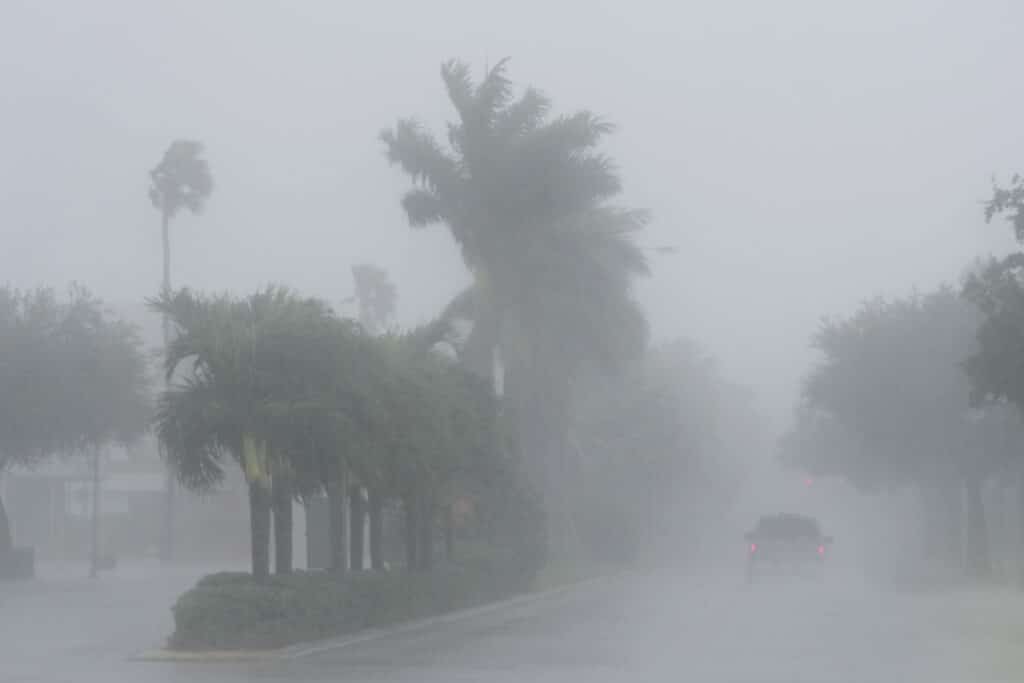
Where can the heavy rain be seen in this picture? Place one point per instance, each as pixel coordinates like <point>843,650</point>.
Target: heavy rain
<point>528,341</point>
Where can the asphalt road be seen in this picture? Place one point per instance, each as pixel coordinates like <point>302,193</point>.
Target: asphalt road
<point>646,628</point>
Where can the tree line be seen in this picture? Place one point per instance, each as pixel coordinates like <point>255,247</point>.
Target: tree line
<point>74,379</point>
<point>925,391</point>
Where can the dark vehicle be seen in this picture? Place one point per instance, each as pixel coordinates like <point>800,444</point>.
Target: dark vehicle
<point>786,544</point>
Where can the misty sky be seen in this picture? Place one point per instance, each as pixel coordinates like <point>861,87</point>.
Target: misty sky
<point>802,155</point>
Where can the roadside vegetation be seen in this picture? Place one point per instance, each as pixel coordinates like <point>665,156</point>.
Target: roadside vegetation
<point>530,429</point>
<point>923,394</point>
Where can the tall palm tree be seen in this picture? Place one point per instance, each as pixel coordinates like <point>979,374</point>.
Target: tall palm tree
<point>182,180</point>
<point>526,197</point>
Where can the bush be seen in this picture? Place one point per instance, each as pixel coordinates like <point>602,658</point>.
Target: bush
<point>229,611</point>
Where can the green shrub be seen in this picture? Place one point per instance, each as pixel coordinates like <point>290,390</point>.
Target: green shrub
<point>228,611</point>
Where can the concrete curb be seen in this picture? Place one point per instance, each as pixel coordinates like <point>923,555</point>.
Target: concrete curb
<point>301,650</point>
<point>165,655</point>
<point>309,649</point>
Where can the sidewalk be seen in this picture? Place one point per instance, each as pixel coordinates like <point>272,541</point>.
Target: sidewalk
<point>64,622</point>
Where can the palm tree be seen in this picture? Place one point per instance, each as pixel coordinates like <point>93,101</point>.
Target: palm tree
<point>252,376</point>
<point>526,197</point>
<point>434,426</point>
<point>182,180</point>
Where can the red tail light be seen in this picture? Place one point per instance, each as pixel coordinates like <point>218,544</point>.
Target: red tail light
<point>753,548</point>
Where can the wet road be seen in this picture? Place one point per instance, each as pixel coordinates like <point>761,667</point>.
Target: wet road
<point>645,628</point>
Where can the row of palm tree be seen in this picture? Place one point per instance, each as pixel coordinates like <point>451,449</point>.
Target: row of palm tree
<point>302,400</point>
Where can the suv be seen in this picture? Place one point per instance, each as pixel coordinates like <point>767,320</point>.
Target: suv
<point>785,543</point>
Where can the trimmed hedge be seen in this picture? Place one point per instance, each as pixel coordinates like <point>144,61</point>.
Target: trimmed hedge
<point>233,611</point>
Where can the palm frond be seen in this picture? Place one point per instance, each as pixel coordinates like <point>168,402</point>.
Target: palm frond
<point>524,115</point>
<point>493,93</point>
<point>568,134</point>
<point>195,426</point>
<point>420,156</point>
<point>459,84</point>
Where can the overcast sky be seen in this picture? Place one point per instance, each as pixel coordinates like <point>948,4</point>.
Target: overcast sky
<point>802,155</point>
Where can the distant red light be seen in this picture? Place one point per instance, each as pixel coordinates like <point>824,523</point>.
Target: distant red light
<point>808,481</point>
<point>821,550</point>
<point>753,548</point>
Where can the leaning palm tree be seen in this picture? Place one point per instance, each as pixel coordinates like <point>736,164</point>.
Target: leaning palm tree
<point>182,180</point>
<point>526,197</point>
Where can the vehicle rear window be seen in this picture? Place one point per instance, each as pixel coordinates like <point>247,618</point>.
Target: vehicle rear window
<point>785,526</point>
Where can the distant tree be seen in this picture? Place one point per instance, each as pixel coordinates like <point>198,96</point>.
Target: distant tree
<point>1008,202</point>
<point>822,446</point>
<point>181,181</point>
<point>375,295</point>
<point>74,380</point>
<point>657,448</point>
<point>996,367</point>
<point>526,197</point>
<point>889,406</point>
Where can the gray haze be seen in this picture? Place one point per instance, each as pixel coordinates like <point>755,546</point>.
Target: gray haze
<point>801,155</point>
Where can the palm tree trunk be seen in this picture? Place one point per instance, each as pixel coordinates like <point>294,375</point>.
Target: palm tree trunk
<point>449,532</point>
<point>979,561</point>
<point>1020,526</point>
<point>283,526</point>
<point>167,544</point>
<point>259,526</point>
<point>411,529</point>
<point>6,540</point>
<point>934,532</point>
<point>94,553</point>
<point>357,523</point>
<point>425,549</point>
<point>540,412</point>
<point>336,524</point>
<point>376,503</point>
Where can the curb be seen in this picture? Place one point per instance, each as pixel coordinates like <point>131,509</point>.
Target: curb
<point>165,655</point>
<point>308,649</point>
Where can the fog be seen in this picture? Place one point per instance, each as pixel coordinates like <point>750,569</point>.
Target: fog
<point>798,158</point>
<point>780,147</point>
